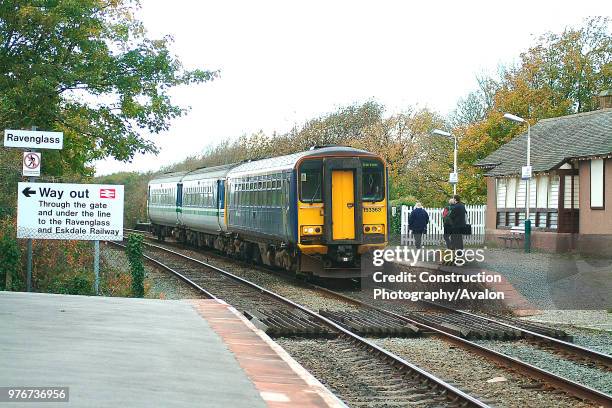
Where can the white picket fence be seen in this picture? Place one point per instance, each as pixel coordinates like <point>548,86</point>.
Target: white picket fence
<point>435,229</point>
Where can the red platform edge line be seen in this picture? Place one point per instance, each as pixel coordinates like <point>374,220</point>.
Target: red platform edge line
<point>280,380</point>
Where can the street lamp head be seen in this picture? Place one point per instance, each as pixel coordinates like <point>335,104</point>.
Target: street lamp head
<point>439,132</point>
<point>514,118</point>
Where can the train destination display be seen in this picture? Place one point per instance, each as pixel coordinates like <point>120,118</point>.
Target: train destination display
<point>70,211</point>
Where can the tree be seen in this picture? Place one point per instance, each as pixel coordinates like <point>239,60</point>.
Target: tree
<point>87,68</point>
<point>560,75</point>
<point>135,188</point>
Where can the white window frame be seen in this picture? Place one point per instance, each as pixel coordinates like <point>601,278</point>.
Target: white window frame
<point>511,188</point>
<point>597,190</point>
<point>500,184</point>
<point>542,191</point>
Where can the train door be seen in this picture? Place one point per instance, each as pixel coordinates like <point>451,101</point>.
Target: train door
<point>179,202</point>
<point>343,204</point>
<point>221,204</point>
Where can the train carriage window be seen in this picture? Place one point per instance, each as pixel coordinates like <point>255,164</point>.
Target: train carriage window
<point>311,179</point>
<point>373,180</point>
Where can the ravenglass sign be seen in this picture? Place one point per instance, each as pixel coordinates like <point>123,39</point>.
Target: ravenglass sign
<point>33,139</point>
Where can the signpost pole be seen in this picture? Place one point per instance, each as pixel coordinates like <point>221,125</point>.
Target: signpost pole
<point>29,247</point>
<point>97,266</point>
<point>527,196</point>
<point>455,165</point>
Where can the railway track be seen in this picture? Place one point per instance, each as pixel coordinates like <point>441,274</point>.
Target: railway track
<point>377,377</point>
<point>493,325</point>
<point>573,351</point>
<point>476,326</point>
<point>544,338</point>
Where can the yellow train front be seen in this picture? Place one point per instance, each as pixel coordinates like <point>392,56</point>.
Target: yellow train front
<point>341,210</point>
<point>313,212</point>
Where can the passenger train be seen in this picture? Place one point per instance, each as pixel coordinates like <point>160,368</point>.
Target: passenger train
<point>313,213</point>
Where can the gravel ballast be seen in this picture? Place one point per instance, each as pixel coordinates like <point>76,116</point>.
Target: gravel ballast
<point>476,375</point>
<point>589,319</point>
<point>593,377</point>
<point>434,355</point>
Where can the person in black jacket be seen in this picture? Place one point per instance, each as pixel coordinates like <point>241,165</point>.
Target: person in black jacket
<point>457,220</point>
<point>417,223</point>
<point>446,222</point>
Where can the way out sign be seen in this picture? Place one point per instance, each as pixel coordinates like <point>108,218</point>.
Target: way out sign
<point>70,211</point>
<point>31,164</point>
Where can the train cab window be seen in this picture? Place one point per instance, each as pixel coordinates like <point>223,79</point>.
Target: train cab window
<point>311,181</point>
<point>373,180</point>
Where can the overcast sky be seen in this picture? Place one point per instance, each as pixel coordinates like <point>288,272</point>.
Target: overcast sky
<point>283,62</point>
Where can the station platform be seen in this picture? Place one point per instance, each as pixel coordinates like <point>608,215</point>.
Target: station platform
<point>123,352</point>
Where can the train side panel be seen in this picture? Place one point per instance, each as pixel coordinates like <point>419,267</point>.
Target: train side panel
<point>199,210</point>
<point>203,204</point>
<point>162,202</point>
<point>258,205</point>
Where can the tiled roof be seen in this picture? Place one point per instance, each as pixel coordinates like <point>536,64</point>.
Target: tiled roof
<point>553,141</point>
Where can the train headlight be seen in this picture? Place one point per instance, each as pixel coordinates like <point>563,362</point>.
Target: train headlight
<point>312,230</point>
<point>374,229</point>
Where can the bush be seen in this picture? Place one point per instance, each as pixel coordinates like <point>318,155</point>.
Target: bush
<point>407,201</point>
<point>115,283</point>
<point>134,254</point>
<point>72,283</point>
<point>59,262</point>
<point>396,220</point>
<point>10,257</point>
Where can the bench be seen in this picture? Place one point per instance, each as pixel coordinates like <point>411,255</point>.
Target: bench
<point>517,234</point>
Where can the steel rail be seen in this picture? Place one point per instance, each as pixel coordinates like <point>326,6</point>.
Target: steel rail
<point>569,386</point>
<point>575,349</point>
<point>453,394</point>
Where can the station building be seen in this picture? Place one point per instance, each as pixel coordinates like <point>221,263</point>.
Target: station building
<point>570,193</point>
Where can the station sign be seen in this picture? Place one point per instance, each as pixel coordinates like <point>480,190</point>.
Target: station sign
<point>33,139</point>
<point>31,164</point>
<point>526,172</point>
<point>70,211</point>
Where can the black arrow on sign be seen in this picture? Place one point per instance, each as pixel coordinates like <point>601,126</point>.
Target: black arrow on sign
<point>28,192</point>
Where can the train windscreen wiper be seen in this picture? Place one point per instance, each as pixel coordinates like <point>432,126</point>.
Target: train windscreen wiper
<point>315,192</point>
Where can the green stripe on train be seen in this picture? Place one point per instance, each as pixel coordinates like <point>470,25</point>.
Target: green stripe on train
<point>199,211</point>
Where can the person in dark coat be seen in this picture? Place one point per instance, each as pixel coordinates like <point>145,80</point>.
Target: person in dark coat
<point>417,223</point>
<point>457,219</point>
<point>446,222</point>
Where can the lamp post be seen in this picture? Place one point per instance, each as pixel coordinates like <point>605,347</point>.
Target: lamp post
<point>439,132</point>
<point>518,119</point>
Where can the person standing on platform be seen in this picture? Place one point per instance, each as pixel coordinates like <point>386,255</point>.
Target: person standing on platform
<point>458,223</point>
<point>446,223</point>
<point>417,223</point>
